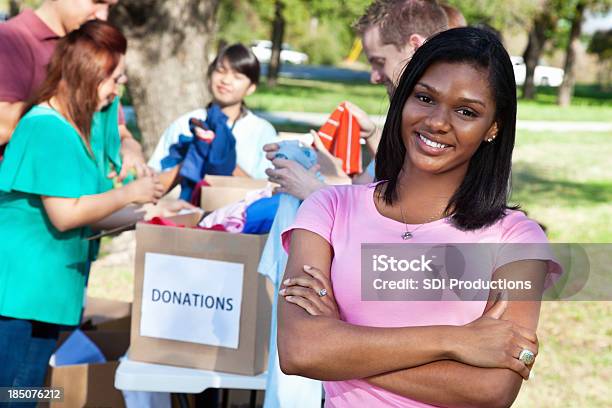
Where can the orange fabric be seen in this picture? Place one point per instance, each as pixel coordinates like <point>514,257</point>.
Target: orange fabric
<point>340,135</point>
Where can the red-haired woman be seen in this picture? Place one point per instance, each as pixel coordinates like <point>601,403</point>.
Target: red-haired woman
<point>53,186</point>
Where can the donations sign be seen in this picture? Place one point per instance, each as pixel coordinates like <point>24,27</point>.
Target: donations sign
<point>192,299</point>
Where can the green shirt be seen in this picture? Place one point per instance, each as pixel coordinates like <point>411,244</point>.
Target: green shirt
<point>42,270</point>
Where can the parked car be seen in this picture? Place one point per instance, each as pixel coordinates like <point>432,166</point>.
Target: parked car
<point>263,51</point>
<point>543,75</point>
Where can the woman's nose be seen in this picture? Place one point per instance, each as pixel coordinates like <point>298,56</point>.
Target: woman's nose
<point>438,119</point>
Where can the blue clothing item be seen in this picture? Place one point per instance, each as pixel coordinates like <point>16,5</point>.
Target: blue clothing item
<point>293,150</point>
<point>78,349</point>
<point>285,390</point>
<point>25,349</point>
<point>371,169</point>
<point>260,215</point>
<point>250,131</point>
<point>199,157</point>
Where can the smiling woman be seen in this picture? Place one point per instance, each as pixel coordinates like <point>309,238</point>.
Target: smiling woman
<point>443,167</point>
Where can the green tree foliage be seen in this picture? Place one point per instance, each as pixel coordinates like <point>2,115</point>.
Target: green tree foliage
<point>321,28</point>
<point>601,45</point>
<point>501,15</point>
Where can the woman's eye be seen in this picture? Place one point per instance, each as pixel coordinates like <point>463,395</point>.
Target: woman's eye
<point>423,98</point>
<point>467,112</point>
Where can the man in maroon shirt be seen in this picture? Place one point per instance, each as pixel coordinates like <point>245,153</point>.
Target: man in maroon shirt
<point>27,42</point>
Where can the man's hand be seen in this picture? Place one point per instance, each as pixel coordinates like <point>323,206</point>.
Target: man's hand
<point>294,179</point>
<point>367,126</point>
<point>369,131</point>
<point>132,156</point>
<point>330,164</point>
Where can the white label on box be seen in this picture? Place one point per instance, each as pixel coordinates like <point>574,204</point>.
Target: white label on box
<point>191,299</point>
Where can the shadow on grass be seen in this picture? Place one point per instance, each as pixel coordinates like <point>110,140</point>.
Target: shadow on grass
<point>531,184</point>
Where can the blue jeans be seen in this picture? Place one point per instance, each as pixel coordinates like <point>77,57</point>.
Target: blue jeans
<point>25,349</point>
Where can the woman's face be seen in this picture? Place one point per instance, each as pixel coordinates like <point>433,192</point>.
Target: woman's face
<point>109,89</point>
<point>448,115</point>
<point>228,86</point>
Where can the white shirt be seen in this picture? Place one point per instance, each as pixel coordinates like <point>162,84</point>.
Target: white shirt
<point>250,131</point>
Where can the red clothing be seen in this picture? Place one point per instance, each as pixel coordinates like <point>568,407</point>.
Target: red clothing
<point>26,47</point>
<point>340,135</point>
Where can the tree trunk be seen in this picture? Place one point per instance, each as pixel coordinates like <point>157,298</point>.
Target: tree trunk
<point>167,59</point>
<point>14,7</point>
<point>278,32</point>
<point>538,35</point>
<point>567,86</point>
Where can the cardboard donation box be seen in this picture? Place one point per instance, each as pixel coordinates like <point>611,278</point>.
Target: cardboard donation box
<point>198,299</point>
<point>92,385</point>
<point>226,190</point>
<point>107,324</point>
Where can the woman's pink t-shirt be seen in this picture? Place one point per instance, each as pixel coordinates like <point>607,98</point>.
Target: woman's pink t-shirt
<point>346,217</point>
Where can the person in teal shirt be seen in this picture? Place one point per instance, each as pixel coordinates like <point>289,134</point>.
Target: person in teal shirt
<point>53,188</point>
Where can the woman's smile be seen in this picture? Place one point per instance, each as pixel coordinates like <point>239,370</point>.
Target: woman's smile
<point>429,145</point>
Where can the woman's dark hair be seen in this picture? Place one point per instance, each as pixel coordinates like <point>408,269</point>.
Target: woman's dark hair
<point>82,60</point>
<point>481,199</point>
<point>240,58</point>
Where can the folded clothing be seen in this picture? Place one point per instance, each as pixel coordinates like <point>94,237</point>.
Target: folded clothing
<point>340,135</point>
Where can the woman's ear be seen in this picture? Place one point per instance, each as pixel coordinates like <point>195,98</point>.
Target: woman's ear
<point>491,133</point>
<point>251,89</point>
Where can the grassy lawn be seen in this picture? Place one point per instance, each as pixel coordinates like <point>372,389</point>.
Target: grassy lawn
<point>300,95</point>
<point>564,182</point>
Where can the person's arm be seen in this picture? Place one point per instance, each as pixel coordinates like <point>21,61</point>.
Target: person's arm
<point>446,383</point>
<point>132,156</point>
<point>170,178</point>
<point>329,349</point>
<point>9,116</point>
<point>451,383</point>
<point>69,213</point>
<point>135,213</point>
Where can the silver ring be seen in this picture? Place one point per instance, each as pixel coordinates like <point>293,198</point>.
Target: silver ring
<point>526,356</point>
<point>322,292</point>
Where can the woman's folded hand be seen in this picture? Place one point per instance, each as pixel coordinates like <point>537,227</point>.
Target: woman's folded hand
<point>490,341</point>
<point>312,292</point>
